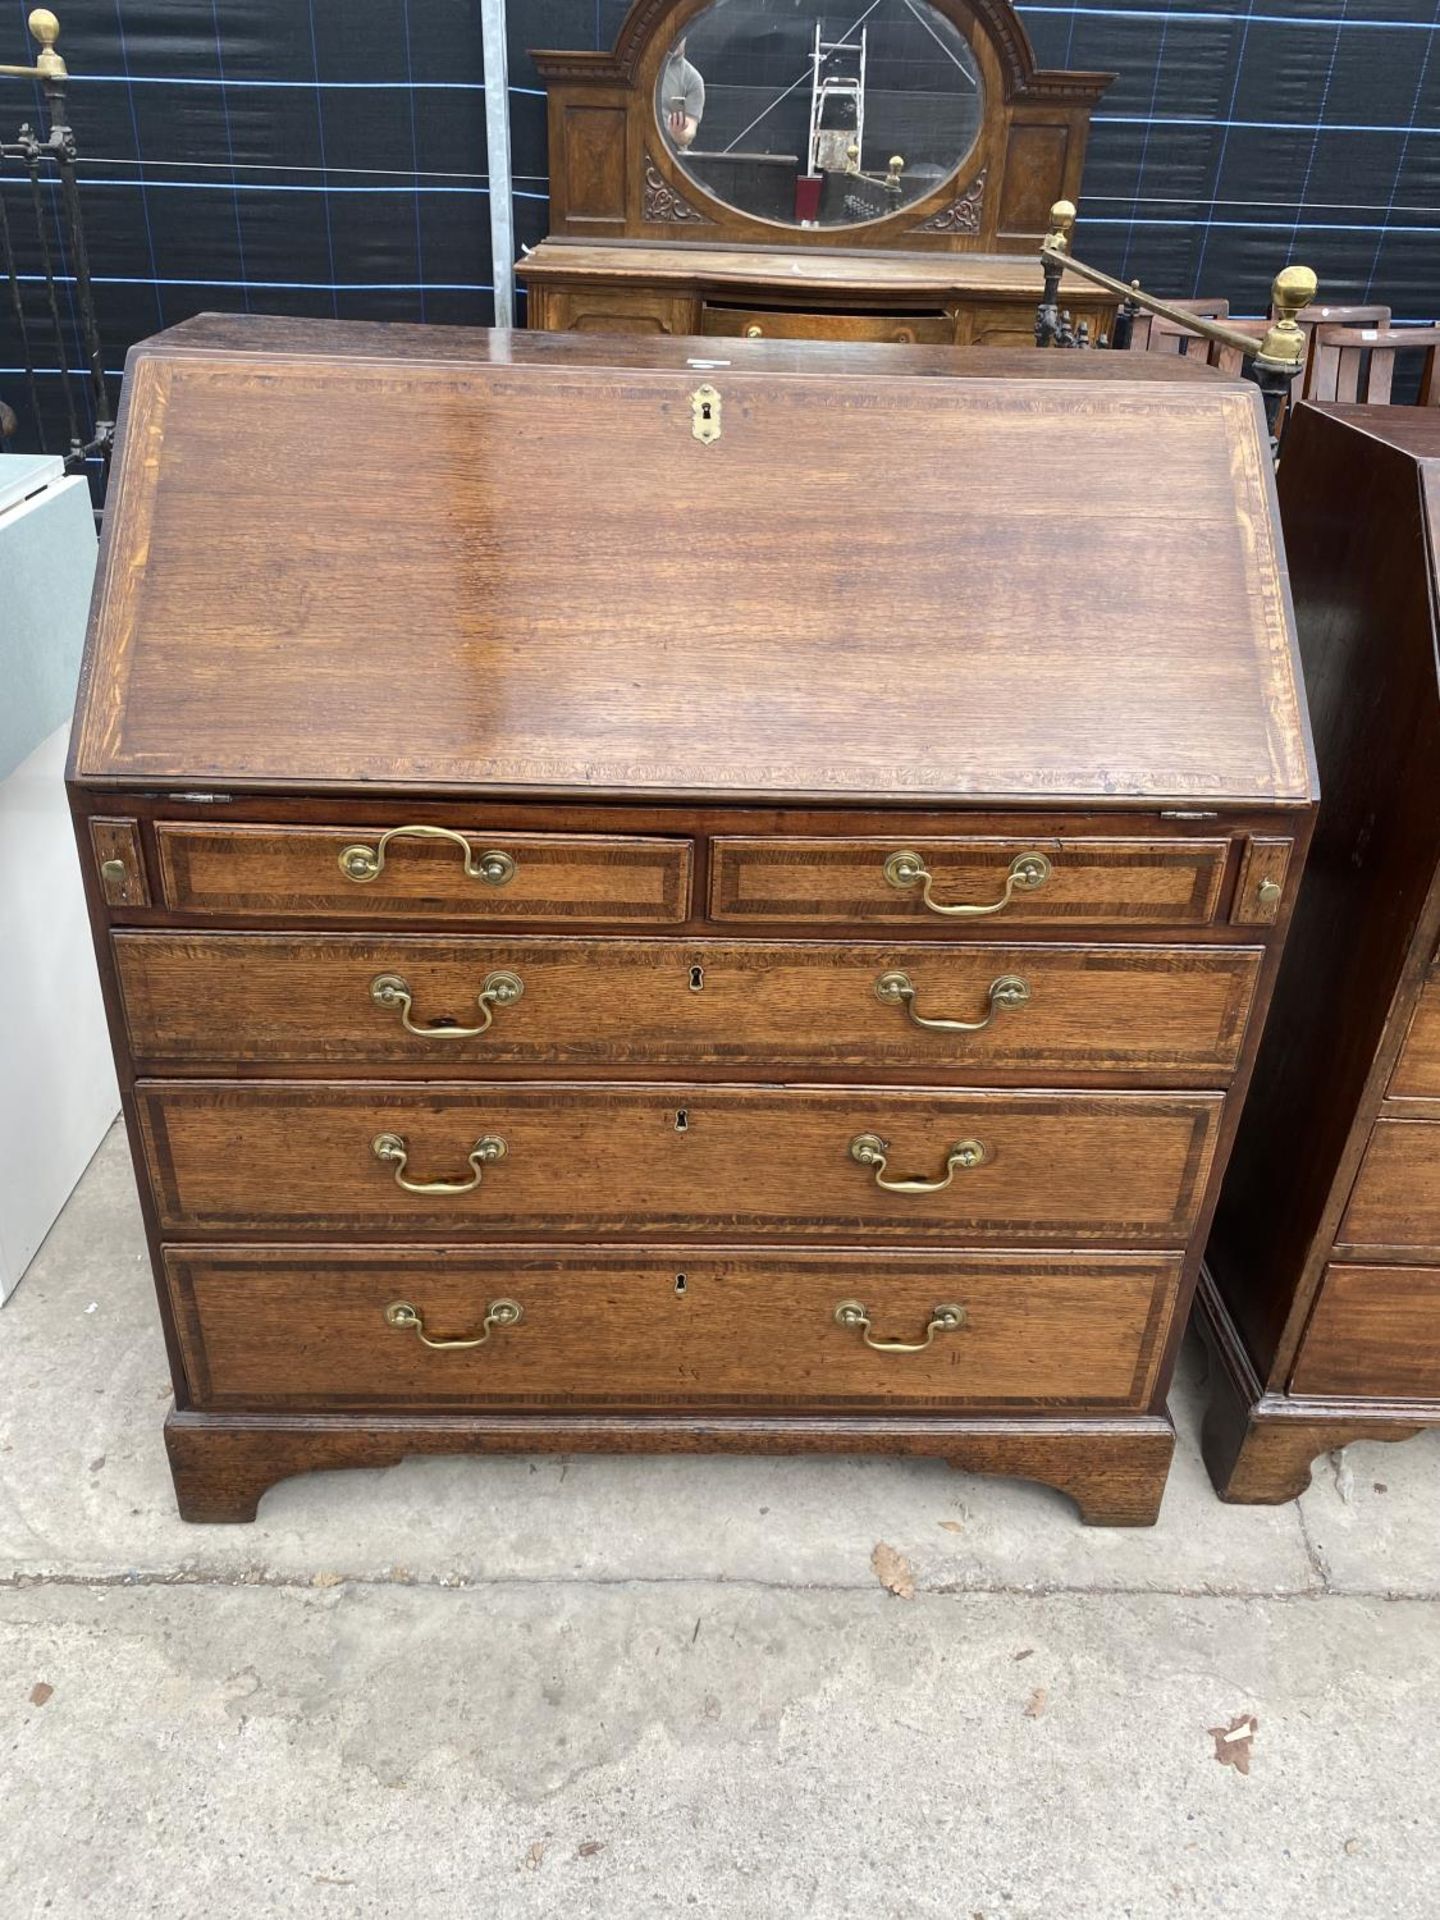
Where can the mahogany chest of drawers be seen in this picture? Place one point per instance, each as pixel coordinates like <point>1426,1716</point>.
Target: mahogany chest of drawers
<point>1322,1301</point>
<point>648,902</point>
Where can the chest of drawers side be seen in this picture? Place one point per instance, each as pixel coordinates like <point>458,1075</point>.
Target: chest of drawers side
<point>1367,922</point>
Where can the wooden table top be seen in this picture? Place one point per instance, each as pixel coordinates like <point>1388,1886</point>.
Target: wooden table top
<point>691,264</point>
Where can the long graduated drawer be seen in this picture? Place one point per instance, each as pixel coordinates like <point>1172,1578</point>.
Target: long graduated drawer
<point>515,1326</point>
<point>613,1162</point>
<point>352,1003</point>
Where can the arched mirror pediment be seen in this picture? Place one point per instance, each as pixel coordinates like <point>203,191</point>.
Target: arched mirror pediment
<point>920,125</point>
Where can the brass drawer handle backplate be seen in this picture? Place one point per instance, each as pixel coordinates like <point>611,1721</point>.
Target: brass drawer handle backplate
<point>1028,872</point>
<point>898,990</point>
<point>500,990</point>
<point>870,1150</point>
<point>499,1313</point>
<point>949,1318</point>
<point>363,863</point>
<point>391,1149</point>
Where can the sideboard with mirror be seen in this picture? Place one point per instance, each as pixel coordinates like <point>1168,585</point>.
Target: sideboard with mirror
<point>798,169</point>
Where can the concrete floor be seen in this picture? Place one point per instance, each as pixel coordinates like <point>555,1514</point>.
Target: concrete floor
<point>624,1687</point>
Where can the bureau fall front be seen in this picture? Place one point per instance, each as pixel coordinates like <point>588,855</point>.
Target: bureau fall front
<point>648,902</point>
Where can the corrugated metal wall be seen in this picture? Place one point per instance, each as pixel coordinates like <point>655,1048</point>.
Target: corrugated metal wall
<point>328,156</point>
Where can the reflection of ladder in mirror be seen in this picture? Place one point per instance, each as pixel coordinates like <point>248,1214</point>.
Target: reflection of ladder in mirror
<point>837,69</point>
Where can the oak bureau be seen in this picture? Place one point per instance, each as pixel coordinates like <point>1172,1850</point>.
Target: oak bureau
<point>655,901</point>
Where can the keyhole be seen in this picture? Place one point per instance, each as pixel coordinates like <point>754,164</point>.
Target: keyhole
<point>704,409</point>
<point>682,1120</point>
<point>697,979</point>
<point>679,1283</point>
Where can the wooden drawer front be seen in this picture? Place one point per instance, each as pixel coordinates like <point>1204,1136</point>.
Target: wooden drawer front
<point>608,1162</point>
<point>288,1000</point>
<point>1100,882</point>
<point>904,329</point>
<point>624,1327</point>
<point>294,872</point>
<point>1375,1334</point>
<point>1395,1201</point>
<point>1417,1071</point>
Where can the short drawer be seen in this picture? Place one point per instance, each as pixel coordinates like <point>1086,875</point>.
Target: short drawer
<point>445,1005</point>
<point>760,323</point>
<point>598,1161</point>
<point>1375,1334</point>
<point>421,873</point>
<point>627,1327</point>
<point>1395,1201</point>
<point>1417,1071</point>
<point>960,883</point>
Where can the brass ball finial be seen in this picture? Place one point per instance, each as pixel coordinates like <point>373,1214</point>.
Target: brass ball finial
<point>1062,225</point>
<point>45,29</point>
<point>1293,288</point>
<point>1284,345</point>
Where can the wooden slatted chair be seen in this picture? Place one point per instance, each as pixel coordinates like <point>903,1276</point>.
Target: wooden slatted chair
<point>1358,363</point>
<point>1309,318</point>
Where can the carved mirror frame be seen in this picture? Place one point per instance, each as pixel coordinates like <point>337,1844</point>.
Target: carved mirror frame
<point>613,175</point>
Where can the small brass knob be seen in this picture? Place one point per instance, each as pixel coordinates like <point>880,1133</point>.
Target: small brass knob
<point>44,27</point>
<point>1269,892</point>
<point>754,333</point>
<point>114,872</point>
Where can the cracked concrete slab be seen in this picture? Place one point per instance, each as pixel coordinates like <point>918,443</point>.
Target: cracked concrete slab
<point>562,1747</point>
<point>1371,1516</point>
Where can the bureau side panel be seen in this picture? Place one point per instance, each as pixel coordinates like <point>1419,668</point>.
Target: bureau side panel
<point>1359,570</point>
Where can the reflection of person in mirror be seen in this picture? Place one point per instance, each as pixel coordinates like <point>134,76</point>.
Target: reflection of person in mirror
<point>682,97</point>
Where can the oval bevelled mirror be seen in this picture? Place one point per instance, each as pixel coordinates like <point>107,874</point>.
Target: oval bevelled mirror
<point>813,116</point>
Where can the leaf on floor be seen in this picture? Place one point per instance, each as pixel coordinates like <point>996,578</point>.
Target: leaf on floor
<point>40,1693</point>
<point>327,1579</point>
<point>1233,1743</point>
<point>588,1849</point>
<point>1037,1703</point>
<point>950,1526</point>
<point>535,1855</point>
<point>893,1571</point>
<point>1023,1654</point>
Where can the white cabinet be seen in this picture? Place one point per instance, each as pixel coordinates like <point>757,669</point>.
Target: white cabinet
<point>57,1083</point>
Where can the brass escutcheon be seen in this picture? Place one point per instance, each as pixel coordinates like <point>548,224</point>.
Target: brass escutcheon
<point>705,407</point>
